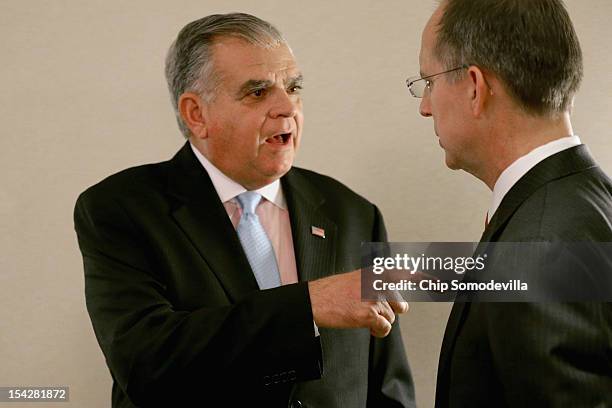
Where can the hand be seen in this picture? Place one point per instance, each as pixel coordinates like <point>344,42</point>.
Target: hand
<point>336,302</point>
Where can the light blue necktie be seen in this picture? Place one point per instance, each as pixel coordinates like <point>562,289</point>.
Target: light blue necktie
<point>256,243</point>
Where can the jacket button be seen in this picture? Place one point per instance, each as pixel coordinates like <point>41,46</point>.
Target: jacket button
<point>296,404</point>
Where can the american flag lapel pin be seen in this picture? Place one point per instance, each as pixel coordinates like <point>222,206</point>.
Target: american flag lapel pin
<point>319,232</point>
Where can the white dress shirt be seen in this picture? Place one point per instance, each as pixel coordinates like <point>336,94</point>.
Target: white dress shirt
<point>272,212</point>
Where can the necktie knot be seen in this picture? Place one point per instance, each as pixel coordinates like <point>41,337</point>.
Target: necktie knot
<point>249,201</point>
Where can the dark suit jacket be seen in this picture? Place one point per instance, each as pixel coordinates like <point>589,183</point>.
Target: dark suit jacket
<point>536,354</point>
<point>177,311</point>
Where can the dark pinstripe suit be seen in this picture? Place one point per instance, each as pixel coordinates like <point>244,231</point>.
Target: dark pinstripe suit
<point>536,354</point>
<point>177,311</point>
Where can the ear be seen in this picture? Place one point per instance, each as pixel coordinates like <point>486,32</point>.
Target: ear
<point>480,91</point>
<point>192,109</point>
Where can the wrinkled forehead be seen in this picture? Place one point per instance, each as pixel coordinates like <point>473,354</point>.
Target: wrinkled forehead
<point>235,58</point>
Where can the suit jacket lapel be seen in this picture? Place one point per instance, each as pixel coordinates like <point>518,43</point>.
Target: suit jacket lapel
<point>201,215</point>
<point>562,164</point>
<point>315,256</point>
<point>559,165</point>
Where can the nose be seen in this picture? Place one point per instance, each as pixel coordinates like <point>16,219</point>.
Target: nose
<point>284,105</point>
<point>424,107</point>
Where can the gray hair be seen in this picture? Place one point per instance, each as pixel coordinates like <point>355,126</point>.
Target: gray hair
<point>189,63</point>
<point>530,45</point>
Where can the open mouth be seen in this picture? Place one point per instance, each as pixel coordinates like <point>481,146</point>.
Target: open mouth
<point>280,139</point>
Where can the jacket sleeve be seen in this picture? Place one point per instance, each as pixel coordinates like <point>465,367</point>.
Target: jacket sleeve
<point>390,380</point>
<point>159,355</point>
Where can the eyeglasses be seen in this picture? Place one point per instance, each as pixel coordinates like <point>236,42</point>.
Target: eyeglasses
<point>417,85</point>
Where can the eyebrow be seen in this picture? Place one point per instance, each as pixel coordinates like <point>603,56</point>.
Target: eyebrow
<point>253,85</point>
<point>297,80</point>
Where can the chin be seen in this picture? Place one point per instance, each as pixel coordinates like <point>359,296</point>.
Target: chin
<point>282,165</point>
<point>451,164</point>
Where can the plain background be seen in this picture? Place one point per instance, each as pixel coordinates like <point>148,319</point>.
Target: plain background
<point>83,96</point>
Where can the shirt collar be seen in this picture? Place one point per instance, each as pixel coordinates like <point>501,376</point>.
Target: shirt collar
<point>513,173</point>
<point>227,189</point>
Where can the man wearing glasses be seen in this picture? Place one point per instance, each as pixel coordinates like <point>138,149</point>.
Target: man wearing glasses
<point>498,78</point>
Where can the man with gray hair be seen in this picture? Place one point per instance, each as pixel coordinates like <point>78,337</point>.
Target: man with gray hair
<point>207,276</point>
<point>498,77</point>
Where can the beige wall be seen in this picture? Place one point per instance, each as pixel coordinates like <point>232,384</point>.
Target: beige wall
<point>83,96</point>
